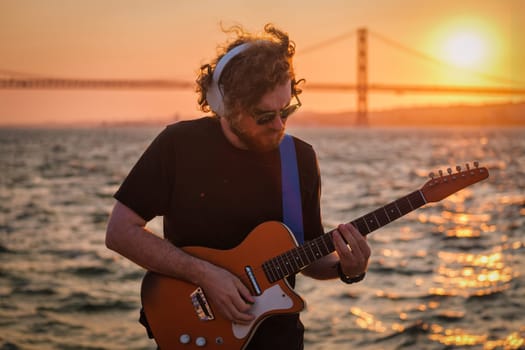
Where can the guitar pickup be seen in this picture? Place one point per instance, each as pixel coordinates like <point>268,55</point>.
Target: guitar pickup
<point>201,306</point>
<point>253,280</point>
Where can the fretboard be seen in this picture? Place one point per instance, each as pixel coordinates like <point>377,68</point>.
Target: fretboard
<point>298,258</point>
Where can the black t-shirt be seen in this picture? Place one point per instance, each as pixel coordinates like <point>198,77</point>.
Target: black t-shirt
<point>213,194</point>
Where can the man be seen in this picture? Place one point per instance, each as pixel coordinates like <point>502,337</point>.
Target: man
<point>216,178</point>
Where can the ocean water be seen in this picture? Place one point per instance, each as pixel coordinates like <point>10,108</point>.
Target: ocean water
<point>447,276</point>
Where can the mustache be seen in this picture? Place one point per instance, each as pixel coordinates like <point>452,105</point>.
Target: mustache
<point>273,132</point>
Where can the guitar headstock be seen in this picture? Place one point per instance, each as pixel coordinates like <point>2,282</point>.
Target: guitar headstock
<point>442,186</point>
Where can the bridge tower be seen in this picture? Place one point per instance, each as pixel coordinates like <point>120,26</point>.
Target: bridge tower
<point>362,77</point>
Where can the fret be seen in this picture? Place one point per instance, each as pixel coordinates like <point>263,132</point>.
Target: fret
<point>397,208</point>
<point>281,272</point>
<point>326,249</point>
<point>293,258</point>
<point>327,238</point>
<point>363,219</point>
<point>416,199</point>
<point>285,265</point>
<point>423,199</point>
<point>284,269</point>
<point>267,271</point>
<point>382,216</point>
<point>288,256</point>
<point>360,224</point>
<point>404,205</point>
<point>322,246</point>
<point>298,258</point>
<point>275,270</point>
<point>323,249</point>
<point>303,255</point>
<point>371,222</point>
<point>310,257</point>
<point>272,271</point>
<point>392,211</point>
<point>317,252</point>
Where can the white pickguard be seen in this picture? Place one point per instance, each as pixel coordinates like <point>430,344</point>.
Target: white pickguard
<point>273,298</point>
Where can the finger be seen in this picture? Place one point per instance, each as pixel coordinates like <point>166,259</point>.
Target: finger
<point>348,234</point>
<point>340,243</point>
<point>361,240</point>
<point>241,317</point>
<point>242,303</point>
<point>360,250</point>
<point>350,237</point>
<point>232,310</point>
<point>356,241</point>
<point>239,311</point>
<point>245,293</point>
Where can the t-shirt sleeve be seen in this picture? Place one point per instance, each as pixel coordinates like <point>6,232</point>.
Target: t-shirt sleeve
<point>147,188</point>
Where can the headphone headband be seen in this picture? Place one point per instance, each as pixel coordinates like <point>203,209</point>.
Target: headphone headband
<point>215,95</point>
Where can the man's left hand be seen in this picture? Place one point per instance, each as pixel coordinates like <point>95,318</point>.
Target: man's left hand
<point>352,248</point>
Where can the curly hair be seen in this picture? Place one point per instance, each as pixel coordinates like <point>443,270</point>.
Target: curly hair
<point>254,72</point>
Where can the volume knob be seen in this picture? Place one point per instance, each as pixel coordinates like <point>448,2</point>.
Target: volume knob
<point>200,342</point>
<point>185,339</point>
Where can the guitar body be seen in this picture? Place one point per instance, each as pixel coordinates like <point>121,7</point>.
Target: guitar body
<point>181,317</point>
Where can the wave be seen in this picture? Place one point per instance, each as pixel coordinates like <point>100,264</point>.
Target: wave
<point>89,271</point>
<point>85,303</point>
<point>7,345</point>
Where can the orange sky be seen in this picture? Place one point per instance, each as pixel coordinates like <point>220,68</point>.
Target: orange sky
<point>170,39</point>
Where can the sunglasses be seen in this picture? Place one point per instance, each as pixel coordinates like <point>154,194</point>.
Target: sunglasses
<point>265,117</point>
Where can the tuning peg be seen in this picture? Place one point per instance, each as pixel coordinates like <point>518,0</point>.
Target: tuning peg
<point>440,172</point>
<point>449,171</point>
<point>458,168</point>
<point>431,175</point>
<point>468,166</point>
<point>476,164</point>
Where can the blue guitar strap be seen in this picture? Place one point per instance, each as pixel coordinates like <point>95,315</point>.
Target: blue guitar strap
<point>292,208</point>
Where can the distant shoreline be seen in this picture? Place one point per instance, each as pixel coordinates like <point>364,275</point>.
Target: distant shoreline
<point>503,114</point>
<point>459,115</point>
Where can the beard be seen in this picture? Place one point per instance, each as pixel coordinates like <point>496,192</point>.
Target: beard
<point>264,141</point>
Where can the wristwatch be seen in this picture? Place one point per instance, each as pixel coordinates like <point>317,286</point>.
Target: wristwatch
<point>349,280</point>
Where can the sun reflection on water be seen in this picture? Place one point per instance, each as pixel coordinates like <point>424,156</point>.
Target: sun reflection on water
<point>450,337</point>
<point>367,321</point>
<point>459,337</point>
<point>474,261</point>
<point>468,274</point>
<point>514,341</point>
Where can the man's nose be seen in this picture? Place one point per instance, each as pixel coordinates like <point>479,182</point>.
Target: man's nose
<point>277,122</point>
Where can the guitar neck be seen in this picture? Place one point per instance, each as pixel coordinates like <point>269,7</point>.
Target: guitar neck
<point>298,258</point>
<point>388,213</point>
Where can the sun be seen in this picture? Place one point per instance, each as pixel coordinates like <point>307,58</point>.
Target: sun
<point>465,49</point>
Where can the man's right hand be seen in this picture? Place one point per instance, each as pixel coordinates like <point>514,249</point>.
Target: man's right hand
<point>229,295</point>
<point>127,234</point>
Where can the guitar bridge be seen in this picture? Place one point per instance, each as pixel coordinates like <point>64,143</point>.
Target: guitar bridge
<point>201,306</point>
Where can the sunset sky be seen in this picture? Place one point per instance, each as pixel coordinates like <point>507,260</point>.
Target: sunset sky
<point>479,42</point>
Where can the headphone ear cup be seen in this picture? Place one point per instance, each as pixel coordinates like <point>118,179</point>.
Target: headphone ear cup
<point>214,95</point>
<point>214,98</point>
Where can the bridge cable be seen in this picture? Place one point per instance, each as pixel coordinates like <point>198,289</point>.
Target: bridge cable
<point>325,43</point>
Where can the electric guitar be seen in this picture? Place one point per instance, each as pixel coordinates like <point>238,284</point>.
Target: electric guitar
<point>181,317</point>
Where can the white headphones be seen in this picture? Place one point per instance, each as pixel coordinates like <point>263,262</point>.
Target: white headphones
<point>215,95</point>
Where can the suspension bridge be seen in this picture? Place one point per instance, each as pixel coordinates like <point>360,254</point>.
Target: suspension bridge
<point>362,87</point>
